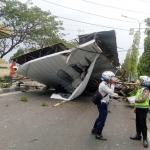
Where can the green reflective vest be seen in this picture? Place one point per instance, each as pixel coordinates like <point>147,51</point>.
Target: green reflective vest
<point>139,96</point>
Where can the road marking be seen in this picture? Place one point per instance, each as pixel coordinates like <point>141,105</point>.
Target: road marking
<point>59,103</point>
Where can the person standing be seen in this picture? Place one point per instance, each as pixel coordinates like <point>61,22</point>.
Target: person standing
<point>141,110</point>
<point>106,87</point>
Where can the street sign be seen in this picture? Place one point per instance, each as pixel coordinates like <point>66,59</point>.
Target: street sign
<point>131,32</point>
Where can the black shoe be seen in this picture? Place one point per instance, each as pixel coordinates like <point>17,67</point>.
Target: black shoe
<point>94,131</point>
<point>136,137</point>
<point>100,137</point>
<point>145,143</point>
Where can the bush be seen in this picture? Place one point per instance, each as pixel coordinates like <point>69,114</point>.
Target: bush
<point>5,85</point>
<point>5,82</point>
<point>5,79</point>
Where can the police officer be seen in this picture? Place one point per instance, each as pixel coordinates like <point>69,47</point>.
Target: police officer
<point>106,87</point>
<point>141,110</point>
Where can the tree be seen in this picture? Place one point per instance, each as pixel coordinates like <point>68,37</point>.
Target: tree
<point>125,65</point>
<point>18,53</point>
<point>134,55</point>
<point>31,26</point>
<point>144,61</point>
<point>131,60</point>
<point>71,44</point>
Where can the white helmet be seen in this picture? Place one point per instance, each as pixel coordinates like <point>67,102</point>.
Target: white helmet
<point>107,75</point>
<point>146,80</point>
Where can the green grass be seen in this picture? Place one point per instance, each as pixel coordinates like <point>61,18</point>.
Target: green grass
<point>45,105</point>
<point>109,111</point>
<point>24,90</point>
<point>24,99</point>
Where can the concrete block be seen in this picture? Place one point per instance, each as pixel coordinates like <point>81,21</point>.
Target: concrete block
<point>12,89</point>
<point>6,90</point>
<point>17,88</point>
<point>1,91</point>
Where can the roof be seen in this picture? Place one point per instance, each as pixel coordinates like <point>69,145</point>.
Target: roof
<point>40,53</point>
<point>106,40</point>
<point>4,31</point>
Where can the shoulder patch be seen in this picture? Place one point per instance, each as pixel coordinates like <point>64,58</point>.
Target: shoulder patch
<point>145,91</point>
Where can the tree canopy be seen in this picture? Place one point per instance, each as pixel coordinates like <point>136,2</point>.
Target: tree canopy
<point>131,60</point>
<point>134,54</point>
<point>32,28</point>
<point>144,61</point>
<point>125,65</point>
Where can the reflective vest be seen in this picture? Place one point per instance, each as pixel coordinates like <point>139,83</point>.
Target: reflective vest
<point>139,95</point>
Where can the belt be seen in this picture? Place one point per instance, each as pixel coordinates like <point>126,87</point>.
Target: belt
<point>105,102</point>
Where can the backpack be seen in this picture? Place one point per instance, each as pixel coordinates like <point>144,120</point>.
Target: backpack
<point>97,97</point>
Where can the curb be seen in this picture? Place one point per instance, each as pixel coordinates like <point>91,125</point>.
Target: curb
<point>11,89</point>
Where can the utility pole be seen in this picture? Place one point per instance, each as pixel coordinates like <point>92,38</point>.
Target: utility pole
<point>139,22</point>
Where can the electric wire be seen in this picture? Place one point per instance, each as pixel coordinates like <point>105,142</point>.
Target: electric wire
<point>115,7</point>
<point>90,23</point>
<point>87,12</point>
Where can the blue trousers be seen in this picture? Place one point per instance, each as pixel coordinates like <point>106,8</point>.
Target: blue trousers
<point>103,110</point>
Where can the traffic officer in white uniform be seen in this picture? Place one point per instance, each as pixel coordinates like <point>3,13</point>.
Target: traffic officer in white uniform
<point>106,87</point>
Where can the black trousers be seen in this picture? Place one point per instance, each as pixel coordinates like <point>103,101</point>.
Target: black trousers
<point>141,127</point>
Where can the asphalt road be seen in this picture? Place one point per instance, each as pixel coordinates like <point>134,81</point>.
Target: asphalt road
<point>30,126</point>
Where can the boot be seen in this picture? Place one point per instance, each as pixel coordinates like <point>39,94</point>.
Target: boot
<point>99,135</point>
<point>136,137</point>
<point>94,131</point>
<point>145,143</point>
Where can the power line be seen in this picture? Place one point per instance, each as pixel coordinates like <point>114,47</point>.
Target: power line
<point>122,50</point>
<point>109,47</point>
<point>90,23</point>
<point>129,49</point>
<point>145,0</point>
<point>69,30</point>
<point>92,26</point>
<point>116,7</point>
<point>88,12</point>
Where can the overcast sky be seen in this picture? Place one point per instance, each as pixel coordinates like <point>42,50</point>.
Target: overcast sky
<point>124,40</point>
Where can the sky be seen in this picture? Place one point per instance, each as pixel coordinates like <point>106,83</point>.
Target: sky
<point>73,29</point>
